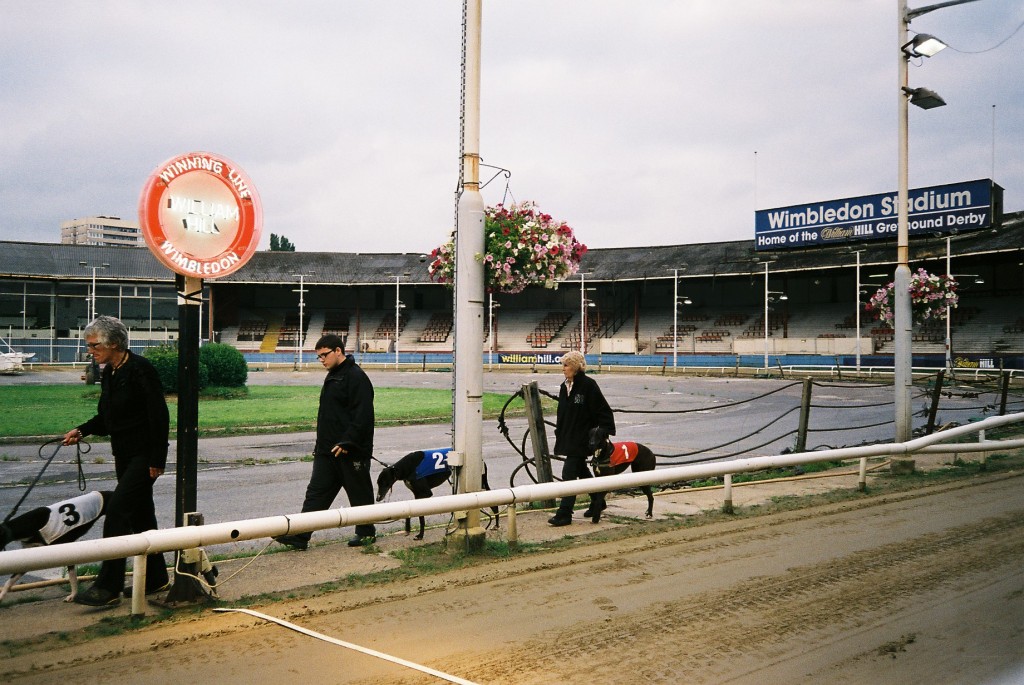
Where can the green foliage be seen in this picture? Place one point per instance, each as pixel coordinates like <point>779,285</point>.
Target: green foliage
<point>225,363</point>
<point>165,359</point>
<point>278,243</point>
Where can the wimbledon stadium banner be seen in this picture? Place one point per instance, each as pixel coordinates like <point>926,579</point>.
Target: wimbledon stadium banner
<point>966,206</point>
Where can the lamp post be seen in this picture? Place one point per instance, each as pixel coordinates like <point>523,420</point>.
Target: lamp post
<point>91,309</point>
<point>922,45</point>
<point>302,306</point>
<point>768,298</point>
<point>675,311</point>
<point>583,313</point>
<point>491,304</point>
<point>398,309</point>
<point>856,307</point>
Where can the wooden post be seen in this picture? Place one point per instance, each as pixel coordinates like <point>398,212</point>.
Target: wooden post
<point>805,415</point>
<point>1005,383</point>
<point>934,408</point>
<point>538,436</point>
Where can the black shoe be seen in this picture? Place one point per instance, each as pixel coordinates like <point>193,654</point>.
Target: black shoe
<point>97,597</point>
<point>166,586</point>
<point>559,520</point>
<point>362,540</point>
<point>294,541</point>
<point>594,512</point>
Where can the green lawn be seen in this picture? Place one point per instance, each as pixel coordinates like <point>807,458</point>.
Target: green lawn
<point>51,410</point>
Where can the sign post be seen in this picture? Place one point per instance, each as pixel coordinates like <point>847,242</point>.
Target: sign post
<point>201,217</point>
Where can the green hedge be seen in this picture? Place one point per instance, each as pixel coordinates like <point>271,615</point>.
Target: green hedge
<point>165,359</point>
<point>226,365</point>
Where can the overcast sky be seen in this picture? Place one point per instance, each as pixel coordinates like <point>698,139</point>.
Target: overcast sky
<point>638,123</point>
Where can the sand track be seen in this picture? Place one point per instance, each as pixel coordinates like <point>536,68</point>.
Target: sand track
<point>924,586</point>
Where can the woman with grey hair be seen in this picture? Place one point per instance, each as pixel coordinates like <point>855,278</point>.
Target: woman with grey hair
<point>133,412</point>
<point>581,406</point>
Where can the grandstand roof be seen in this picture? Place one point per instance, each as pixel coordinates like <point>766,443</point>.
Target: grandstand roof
<point>52,260</point>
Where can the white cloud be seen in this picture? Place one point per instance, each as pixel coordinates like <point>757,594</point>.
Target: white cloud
<point>635,122</point>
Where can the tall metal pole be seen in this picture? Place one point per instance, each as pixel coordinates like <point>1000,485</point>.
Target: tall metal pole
<point>398,306</point>
<point>92,313</point>
<point>675,318</point>
<point>902,321</point>
<point>302,307</point>
<point>469,284</point>
<point>856,306</point>
<point>583,315</point>
<point>949,340</point>
<point>902,324</point>
<point>491,330</point>
<point>190,295</point>
<point>766,316</point>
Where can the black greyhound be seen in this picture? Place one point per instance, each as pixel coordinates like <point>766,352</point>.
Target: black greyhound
<point>611,458</point>
<point>421,471</point>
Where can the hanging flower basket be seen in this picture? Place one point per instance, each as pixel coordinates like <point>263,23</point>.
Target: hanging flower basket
<point>931,298</point>
<point>523,247</point>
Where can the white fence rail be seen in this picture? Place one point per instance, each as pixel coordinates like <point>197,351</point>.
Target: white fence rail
<point>187,537</point>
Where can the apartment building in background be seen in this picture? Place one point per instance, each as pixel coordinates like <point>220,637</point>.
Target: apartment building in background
<point>110,231</point>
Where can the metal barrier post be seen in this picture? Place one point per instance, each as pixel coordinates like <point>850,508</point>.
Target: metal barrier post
<point>139,585</point>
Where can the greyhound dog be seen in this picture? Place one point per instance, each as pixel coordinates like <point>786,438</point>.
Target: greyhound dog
<point>611,458</point>
<point>421,471</point>
<point>61,522</point>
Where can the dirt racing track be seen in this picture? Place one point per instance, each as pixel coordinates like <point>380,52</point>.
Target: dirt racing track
<point>922,586</point>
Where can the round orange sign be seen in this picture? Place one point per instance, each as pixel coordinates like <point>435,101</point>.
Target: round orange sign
<point>200,215</point>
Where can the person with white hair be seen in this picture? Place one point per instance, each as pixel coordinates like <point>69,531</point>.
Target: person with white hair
<point>132,410</point>
<point>581,407</point>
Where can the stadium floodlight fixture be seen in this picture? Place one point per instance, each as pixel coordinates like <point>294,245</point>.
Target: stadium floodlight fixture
<point>924,98</point>
<point>923,45</point>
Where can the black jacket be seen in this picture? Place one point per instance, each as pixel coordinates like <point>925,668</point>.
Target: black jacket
<point>579,411</point>
<point>345,416</point>
<point>132,411</point>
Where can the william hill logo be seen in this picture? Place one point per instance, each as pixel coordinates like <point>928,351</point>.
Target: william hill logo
<point>529,358</point>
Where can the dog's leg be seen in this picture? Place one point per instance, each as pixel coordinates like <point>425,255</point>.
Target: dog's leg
<point>423,523</point>
<point>650,500</point>
<point>73,581</point>
<point>408,526</point>
<point>9,584</point>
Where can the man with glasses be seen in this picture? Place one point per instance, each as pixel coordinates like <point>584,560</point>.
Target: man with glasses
<point>344,441</point>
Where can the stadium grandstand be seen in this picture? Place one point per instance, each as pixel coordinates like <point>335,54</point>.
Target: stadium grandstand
<point>697,304</point>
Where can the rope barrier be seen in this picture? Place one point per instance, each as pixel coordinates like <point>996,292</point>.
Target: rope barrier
<point>528,465</point>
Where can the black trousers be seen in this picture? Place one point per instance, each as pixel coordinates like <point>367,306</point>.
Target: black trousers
<point>330,475</point>
<point>130,509</point>
<point>573,468</point>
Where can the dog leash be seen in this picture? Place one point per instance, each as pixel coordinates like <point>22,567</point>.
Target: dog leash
<point>78,457</point>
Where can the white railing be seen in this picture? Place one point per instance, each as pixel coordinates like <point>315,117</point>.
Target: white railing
<point>187,537</point>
